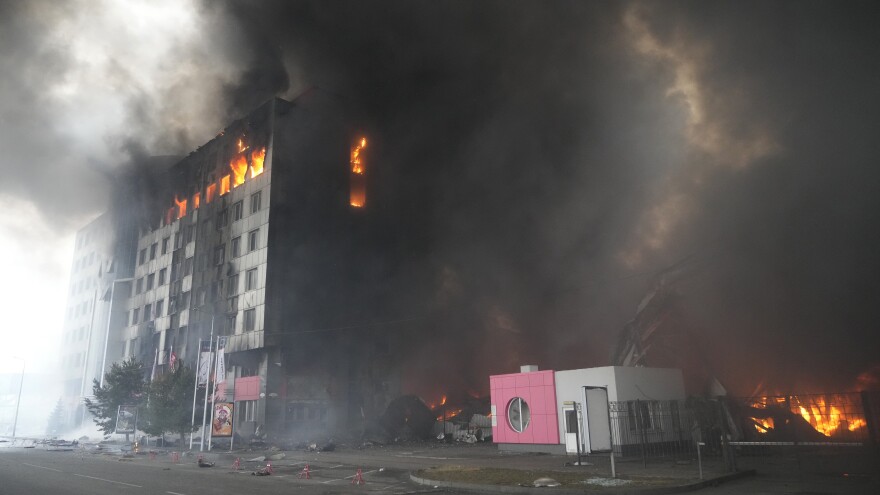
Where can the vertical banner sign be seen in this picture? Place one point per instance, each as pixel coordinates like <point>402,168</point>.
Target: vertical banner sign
<point>220,377</point>
<point>205,362</point>
<point>126,419</point>
<point>222,424</point>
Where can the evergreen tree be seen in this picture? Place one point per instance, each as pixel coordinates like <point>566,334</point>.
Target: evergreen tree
<point>169,408</point>
<point>123,386</point>
<point>57,424</point>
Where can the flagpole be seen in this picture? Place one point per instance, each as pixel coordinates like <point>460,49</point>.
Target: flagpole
<point>207,387</point>
<point>192,422</point>
<point>214,389</point>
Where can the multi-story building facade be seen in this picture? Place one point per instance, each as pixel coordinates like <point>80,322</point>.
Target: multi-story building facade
<point>263,237</point>
<point>102,258</point>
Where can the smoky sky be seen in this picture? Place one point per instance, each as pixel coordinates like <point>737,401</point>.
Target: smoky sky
<point>545,159</point>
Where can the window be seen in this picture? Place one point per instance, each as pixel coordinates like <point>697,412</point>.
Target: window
<point>187,266</point>
<point>252,240</point>
<point>148,312</point>
<point>237,210</point>
<point>135,314</point>
<point>518,414</point>
<point>219,255</point>
<point>139,285</point>
<point>251,280</point>
<point>162,273</point>
<point>222,219</point>
<point>642,415</point>
<point>160,305</point>
<point>199,300</point>
<point>232,287</point>
<point>232,304</point>
<point>236,247</point>
<point>153,248</point>
<point>150,279</point>
<point>190,232</point>
<point>230,324</point>
<point>256,201</point>
<point>248,410</point>
<point>250,320</point>
<point>142,257</point>
<point>165,243</point>
<point>178,240</point>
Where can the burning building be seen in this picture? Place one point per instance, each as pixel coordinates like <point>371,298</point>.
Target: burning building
<point>263,236</point>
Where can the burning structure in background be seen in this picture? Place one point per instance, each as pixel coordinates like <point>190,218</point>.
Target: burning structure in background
<point>582,148</point>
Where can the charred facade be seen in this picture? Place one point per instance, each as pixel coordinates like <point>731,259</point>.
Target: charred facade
<point>264,236</point>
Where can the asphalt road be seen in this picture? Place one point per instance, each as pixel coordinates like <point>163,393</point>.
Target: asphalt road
<point>39,471</point>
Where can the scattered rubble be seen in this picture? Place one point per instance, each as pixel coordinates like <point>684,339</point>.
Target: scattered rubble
<point>546,482</point>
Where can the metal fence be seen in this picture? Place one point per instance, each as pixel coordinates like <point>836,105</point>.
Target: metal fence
<point>744,426</point>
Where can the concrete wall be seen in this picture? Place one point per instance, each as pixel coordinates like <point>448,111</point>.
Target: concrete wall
<point>647,384</point>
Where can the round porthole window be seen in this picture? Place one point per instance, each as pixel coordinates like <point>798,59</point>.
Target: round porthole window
<point>518,414</point>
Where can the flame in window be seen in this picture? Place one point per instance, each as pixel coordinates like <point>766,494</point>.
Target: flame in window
<point>210,192</point>
<point>224,184</point>
<point>181,206</point>
<point>239,166</point>
<point>358,195</point>
<point>257,159</point>
<point>197,198</point>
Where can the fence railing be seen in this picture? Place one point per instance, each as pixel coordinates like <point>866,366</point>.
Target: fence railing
<point>724,427</point>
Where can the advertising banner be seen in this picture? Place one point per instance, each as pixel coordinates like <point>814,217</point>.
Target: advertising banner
<point>221,426</point>
<point>126,419</point>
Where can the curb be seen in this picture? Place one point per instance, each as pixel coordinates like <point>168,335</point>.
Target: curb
<point>527,490</point>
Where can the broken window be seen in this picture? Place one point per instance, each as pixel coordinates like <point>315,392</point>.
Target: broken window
<point>250,320</point>
<point>224,185</point>
<point>165,243</point>
<point>358,186</point>
<point>252,240</point>
<point>236,247</point>
<point>256,201</point>
<point>219,254</point>
<point>222,219</point>
<point>190,230</point>
<point>232,287</point>
<point>251,279</point>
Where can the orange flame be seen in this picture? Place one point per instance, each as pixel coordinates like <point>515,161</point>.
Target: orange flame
<point>241,145</point>
<point>257,159</point>
<point>181,207</point>
<point>197,198</point>
<point>224,184</point>
<point>356,165</point>
<point>358,195</point>
<point>824,416</point>
<point>238,164</point>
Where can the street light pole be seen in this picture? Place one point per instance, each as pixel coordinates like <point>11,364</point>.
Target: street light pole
<point>18,402</point>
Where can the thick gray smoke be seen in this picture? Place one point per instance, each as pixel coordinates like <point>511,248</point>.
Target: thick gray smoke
<point>544,159</point>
